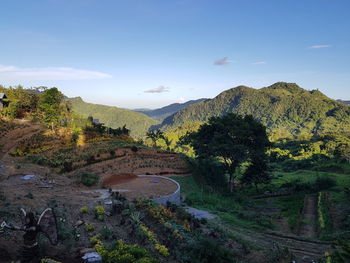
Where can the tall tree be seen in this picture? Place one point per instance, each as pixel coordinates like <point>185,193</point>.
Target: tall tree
<point>232,139</point>
<point>50,106</point>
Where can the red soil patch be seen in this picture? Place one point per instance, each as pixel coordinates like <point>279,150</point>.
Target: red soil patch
<point>137,187</point>
<point>118,179</point>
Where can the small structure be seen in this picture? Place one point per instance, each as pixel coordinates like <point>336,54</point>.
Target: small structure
<point>3,103</point>
<point>96,121</point>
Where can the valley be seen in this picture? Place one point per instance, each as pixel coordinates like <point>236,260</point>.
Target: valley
<point>89,174</point>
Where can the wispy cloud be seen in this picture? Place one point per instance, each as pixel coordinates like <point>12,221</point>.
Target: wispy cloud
<point>320,46</point>
<point>160,89</point>
<point>222,61</point>
<point>260,63</point>
<point>49,73</point>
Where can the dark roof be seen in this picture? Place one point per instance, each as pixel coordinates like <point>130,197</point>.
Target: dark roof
<point>3,96</point>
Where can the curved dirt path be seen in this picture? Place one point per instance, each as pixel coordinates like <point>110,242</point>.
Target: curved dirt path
<point>309,217</point>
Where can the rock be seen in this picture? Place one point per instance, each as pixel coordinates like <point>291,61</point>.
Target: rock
<point>85,250</point>
<point>79,223</point>
<point>306,258</point>
<point>92,257</point>
<point>28,177</point>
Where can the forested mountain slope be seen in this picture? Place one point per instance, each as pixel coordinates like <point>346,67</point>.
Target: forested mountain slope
<point>114,117</point>
<point>286,109</point>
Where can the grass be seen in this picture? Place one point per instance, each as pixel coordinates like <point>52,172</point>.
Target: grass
<point>291,209</point>
<point>229,207</point>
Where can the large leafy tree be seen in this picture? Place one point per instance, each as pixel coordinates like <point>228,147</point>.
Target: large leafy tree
<point>50,106</point>
<point>232,139</point>
<point>155,136</point>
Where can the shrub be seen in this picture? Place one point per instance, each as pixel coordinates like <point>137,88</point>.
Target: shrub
<point>67,167</point>
<point>89,227</point>
<point>323,183</point>
<point>106,232</point>
<point>205,250</point>
<point>95,239</point>
<point>124,253</point>
<point>88,179</point>
<point>100,212</point>
<point>162,250</point>
<point>84,209</point>
<point>134,149</point>
<point>29,195</point>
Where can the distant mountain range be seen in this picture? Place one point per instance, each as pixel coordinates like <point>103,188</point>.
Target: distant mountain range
<point>347,102</point>
<point>164,112</point>
<point>286,109</point>
<point>114,117</point>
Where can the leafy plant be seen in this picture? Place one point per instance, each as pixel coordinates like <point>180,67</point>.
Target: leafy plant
<point>88,179</point>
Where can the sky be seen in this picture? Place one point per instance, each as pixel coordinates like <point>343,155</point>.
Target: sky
<point>150,53</point>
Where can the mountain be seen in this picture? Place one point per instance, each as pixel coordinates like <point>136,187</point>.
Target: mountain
<point>286,109</point>
<point>346,102</point>
<point>114,117</point>
<point>164,112</point>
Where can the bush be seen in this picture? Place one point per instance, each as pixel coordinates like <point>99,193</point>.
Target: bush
<point>67,167</point>
<point>100,213</point>
<point>323,183</point>
<point>134,149</point>
<point>205,250</point>
<point>84,209</point>
<point>89,227</point>
<point>124,253</point>
<point>88,179</point>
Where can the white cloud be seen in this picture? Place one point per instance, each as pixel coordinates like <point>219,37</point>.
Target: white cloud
<point>160,89</point>
<point>49,73</point>
<point>222,61</point>
<point>320,46</point>
<point>259,63</point>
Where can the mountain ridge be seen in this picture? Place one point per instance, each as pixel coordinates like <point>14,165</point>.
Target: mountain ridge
<point>161,113</point>
<point>285,108</point>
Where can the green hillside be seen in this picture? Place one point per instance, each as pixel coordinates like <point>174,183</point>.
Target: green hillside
<point>164,112</point>
<point>286,109</point>
<point>114,117</point>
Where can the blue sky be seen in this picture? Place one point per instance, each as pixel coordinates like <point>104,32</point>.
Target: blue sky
<point>149,53</point>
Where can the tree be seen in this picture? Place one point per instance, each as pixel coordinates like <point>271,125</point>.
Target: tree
<point>50,108</point>
<point>155,136</point>
<point>256,173</point>
<point>232,139</point>
<point>168,142</point>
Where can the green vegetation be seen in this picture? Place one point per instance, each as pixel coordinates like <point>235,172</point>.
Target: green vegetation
<point>232,208</point>
<point>88,179</point>
<point>121,252</point>
<point>287,110</point>
<point>291,209</point>
<point>232,140</point>
<point>114,117</point>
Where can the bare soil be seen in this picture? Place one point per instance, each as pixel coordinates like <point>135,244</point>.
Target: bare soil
<point>49,188</point>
